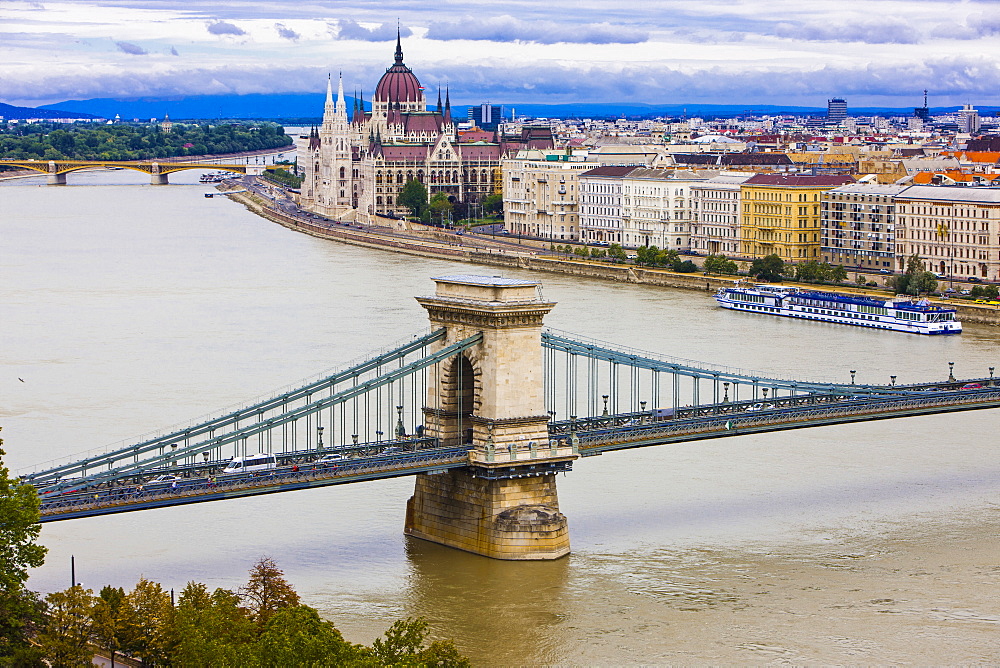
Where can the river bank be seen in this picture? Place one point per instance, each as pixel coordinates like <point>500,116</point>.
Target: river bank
<point>432,247</point>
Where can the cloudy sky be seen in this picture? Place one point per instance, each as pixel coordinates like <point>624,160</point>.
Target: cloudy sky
<point>874,53</point>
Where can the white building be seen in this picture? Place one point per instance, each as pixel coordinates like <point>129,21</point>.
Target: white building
<point>601,204</point>
<point>541,193</point>
<point>715,228</point>
<point>954,229</point>
<point>657,209</point>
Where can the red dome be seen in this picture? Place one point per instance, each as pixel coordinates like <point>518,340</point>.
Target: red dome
<point>398,84</point>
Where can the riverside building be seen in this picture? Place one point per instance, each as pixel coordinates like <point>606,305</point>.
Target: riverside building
<point>717,215</point>
<point>541,193</point>
<point>781,215</point>
<point>858,226</point>
<point>357,164</point>
<point>954,229</point>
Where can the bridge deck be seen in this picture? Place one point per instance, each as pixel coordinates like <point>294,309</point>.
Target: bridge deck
<point>594,436</point>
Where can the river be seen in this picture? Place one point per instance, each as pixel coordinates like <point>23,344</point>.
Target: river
<point>126,308</point>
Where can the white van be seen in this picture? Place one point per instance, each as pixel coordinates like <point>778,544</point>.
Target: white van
<point>258,462</point>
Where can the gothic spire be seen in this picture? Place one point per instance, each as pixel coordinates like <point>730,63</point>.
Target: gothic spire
<point>341,103</point>
<point>440,109</point>
<point>447,105</point>
<point>399,47</point>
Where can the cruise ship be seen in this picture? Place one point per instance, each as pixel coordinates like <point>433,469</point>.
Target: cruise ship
<point>899,314</point>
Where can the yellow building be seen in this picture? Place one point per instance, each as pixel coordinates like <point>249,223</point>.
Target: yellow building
<point>781,215</point>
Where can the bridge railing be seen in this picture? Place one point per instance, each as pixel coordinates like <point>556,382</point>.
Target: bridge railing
<point>597,440</point>
<point>126,497</point>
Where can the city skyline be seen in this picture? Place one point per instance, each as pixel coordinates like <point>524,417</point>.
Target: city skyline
<point>882,54</point>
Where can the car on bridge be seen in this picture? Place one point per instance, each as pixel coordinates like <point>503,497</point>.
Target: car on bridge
<point>972,386</point>
<point>760,407</point>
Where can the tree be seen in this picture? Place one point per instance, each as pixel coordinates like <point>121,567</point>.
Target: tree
<point>65,638</point>
<point>20,609</point>
<point>720,264</point>
<point>147,622</point>
<point>212,629</point>
<point>297,636</point>
<point>915,279</point>
<point>617,253</point>
<point>769,268</point>
<point>440,206</point>
<point>413,196</point>
<point>493,203</point>
<point>838,274</point>
<point>403,645</point>
<point>267,591</point>
<point>684,267</point>
<point>107,616</point>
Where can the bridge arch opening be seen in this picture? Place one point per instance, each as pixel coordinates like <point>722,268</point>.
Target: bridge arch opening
<point>458,395</point>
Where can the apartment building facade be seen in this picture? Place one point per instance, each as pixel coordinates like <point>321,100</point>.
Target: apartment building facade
<point>858,226</point>
<point>717,215</point>
<point>601,201</point>
<point>954,229</point>
<point>541,194</point>
<point>781,215</point>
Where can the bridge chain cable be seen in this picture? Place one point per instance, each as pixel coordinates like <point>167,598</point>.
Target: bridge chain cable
<point>209,426</point>
<point>619,356</point>
<point>361,389</point>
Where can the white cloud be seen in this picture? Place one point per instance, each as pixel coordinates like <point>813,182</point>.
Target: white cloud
<point>507,28</point>
<point>349,29</point>
<point>777,51</point>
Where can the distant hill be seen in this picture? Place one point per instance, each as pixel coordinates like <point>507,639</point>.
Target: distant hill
<point>308,107</point>
<point>11,112</point>
<point>301,105</point>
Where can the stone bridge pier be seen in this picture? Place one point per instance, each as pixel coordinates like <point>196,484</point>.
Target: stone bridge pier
<point>156,178</point>
<point>55,177</point>
<point>504,503</point>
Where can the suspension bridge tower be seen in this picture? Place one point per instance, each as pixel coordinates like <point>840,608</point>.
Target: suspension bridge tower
<point>491,397</point>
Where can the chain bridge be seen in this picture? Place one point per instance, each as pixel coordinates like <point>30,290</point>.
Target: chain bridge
<point>483,408</point>
<point>157,170</point>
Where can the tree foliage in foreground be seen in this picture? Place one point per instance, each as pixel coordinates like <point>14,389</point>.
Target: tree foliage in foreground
<point>768,268</point>
<point>262,625</point>
<point>20,609</point>
<point>413,196</point>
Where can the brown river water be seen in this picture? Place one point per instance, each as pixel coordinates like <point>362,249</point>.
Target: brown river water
<point>127,308</point>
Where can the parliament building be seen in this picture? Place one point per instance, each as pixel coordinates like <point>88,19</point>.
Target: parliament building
<point>358,164</point>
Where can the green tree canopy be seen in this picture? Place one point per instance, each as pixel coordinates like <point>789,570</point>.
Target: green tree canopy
<point>720,264</point>
<point>768,268</point>
<point>440,206</point>
<point>20,609</point>
<point>147,621</point>
<point>915,280</point>
<point>65,638</point>
<point>413,196</point>
<point>107,617</point>
<point>212,629</point>
<point>493,203</point>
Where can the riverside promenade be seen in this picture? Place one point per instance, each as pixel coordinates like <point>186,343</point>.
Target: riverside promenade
<point>273,204</point>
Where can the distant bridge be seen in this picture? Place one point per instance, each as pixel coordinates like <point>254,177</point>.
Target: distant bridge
<point>157,170</point>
